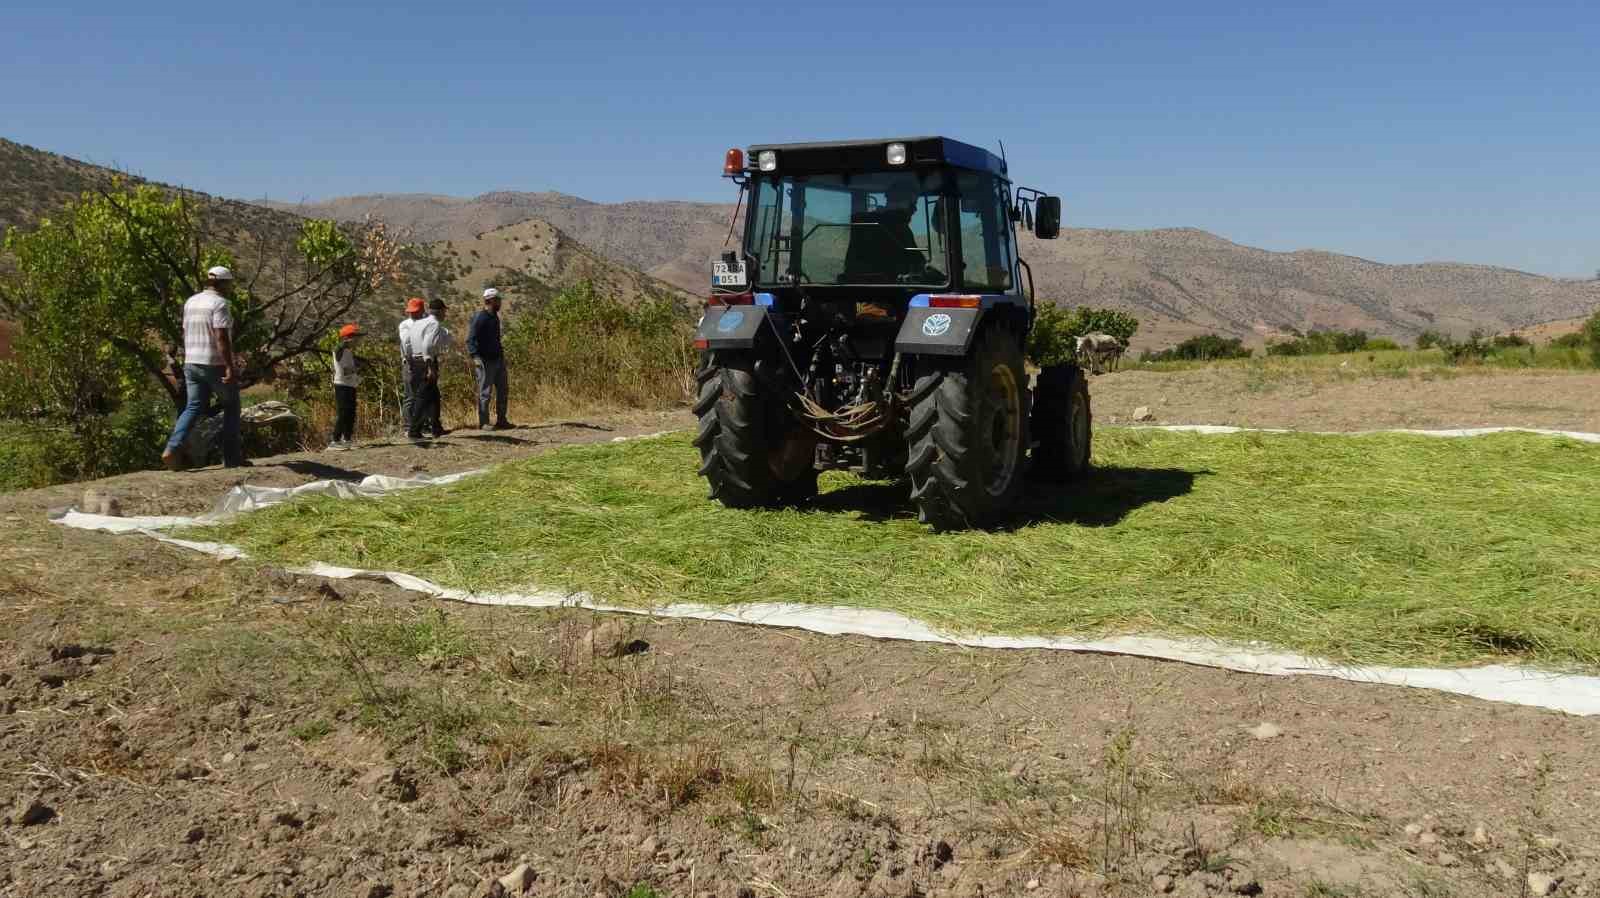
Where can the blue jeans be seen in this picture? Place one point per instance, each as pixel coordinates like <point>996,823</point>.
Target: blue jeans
<point>200,383</point>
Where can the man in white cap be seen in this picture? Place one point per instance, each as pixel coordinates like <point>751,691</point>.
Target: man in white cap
<point>489,360</point>
<point>209,368</point>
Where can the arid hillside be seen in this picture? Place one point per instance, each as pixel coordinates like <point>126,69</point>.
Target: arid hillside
<point>1179,281</point>
<point>534,259</point>
<point>671,241</point>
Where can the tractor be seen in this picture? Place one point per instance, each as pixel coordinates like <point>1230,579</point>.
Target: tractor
<point>874,320</point>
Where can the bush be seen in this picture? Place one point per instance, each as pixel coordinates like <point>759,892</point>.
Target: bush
<point>1430,339</point>
<point>1053,340</point>
<point>1380,344</point>
<point>586,347</point>
<point>1203,348</point>
<point>1509,341</point>
<point>1574,340</point>
<point>1321,343</point>
<point>1474,348</point>
<point>1591,332</point>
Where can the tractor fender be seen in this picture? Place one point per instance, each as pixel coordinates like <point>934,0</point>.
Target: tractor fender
<point>938,331</point>
<point>730,327</point>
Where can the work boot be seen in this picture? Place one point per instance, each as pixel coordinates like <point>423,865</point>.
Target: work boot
<point>504,425</point>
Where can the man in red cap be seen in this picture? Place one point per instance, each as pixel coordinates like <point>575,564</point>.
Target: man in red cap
<point>421,369</point>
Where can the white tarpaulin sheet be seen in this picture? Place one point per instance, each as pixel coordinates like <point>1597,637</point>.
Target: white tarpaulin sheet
<point>1458,432</point>
<point>1571,693</point>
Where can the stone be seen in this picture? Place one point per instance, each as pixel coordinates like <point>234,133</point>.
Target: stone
<point>1542,883</point>
<point>1428,838</point>
<point>1143,413</point>
<point>611,639</point>
<point>1413,829</point>
<point>34,813</point>
<point>1446,859</point>
<point>1480,835</point>
<point>1162,884</point>
<point>1032,884</point>
<point>1505,870</point>
<point>649,846</point>
<point>1266,731</point>
<point>516,882</point>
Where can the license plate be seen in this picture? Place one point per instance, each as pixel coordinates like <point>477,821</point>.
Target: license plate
<point>725,275</point>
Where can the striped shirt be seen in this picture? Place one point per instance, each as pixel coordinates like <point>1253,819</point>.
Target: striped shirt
<point>204,314</point>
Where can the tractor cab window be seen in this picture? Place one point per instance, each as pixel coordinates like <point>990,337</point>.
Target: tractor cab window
<point>987,258</point>
<point>871,228</point>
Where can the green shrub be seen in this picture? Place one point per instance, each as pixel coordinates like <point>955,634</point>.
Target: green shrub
<point>1380,344</point>
<point>1474,348</point>
<point>1509,341</point>
<point>34,455</point>
<point>1205,347</point>
<point>1053,340</point>
<point>1574,340</point>
<point>1319,342</point>
<point>1591,332</point>
<point>1430,339</point>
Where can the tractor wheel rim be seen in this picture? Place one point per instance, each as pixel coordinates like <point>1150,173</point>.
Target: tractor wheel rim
<point>1005,433</point>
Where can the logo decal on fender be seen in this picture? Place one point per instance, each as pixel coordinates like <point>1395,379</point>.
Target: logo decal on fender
<point>730,321</point>
<point>936,325</point>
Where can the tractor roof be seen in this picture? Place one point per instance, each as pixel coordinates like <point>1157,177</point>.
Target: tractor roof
<point>870,155</point>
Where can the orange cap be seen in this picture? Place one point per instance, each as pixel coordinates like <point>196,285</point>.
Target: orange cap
<point>349,330</point>
<point>415,304</point>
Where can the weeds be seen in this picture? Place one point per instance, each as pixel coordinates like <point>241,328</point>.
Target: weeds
<point>1123,811</point>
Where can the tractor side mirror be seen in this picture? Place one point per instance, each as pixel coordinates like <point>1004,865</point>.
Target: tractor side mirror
<point>1047,214</point>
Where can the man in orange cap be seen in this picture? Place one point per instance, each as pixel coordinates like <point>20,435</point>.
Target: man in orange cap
<point>416,355</point>
<point>346,377</point>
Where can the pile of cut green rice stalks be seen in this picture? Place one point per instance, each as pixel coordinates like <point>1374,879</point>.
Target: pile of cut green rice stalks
<point>1380,548</point>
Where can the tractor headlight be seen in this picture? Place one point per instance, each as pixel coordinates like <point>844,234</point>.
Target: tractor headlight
<point>767,160</point>
<point>897,154</point>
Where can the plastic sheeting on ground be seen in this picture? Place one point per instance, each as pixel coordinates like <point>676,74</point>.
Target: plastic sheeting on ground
<point>1570,693</point>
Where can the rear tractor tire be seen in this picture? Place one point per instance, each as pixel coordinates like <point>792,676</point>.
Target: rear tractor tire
<point>968,434</point>
<point>752,453</point>
<point>1063,425</point>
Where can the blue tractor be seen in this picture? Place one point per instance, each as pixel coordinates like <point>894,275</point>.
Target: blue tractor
<point>874,320</point>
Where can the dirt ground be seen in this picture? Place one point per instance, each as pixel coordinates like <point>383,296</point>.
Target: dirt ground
<point>174,725</point>
<point>1430,398</point>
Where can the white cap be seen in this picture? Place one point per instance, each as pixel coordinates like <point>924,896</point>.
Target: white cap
<point>491,293</point>
<point>219,273</point>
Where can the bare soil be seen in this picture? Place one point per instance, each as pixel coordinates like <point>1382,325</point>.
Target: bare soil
<point>172,725</point>
<point>1434,398</point>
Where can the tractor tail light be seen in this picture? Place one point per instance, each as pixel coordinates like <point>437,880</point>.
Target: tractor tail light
<point>955,302</point>
<point>733,299</point>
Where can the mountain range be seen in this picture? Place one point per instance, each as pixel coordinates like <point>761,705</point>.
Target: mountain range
<point>1177,281</point>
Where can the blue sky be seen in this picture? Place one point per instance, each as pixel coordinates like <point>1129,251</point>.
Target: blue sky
<point>1400,132</point>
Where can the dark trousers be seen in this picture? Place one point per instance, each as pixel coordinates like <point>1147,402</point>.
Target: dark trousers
<point>491,375</point>
<point>424,396</point>
<point>344,426</point>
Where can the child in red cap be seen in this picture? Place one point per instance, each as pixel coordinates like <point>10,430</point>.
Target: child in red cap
<point>346,377</point>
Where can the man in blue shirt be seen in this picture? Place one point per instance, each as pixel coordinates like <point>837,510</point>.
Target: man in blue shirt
<point>488,360</point>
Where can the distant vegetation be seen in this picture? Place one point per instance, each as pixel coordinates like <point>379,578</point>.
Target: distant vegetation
<point>1204,348</point>
<point>1055,330</point>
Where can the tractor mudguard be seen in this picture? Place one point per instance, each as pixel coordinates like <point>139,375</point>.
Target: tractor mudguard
<point>938,331</point>
<point>730,327</point>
